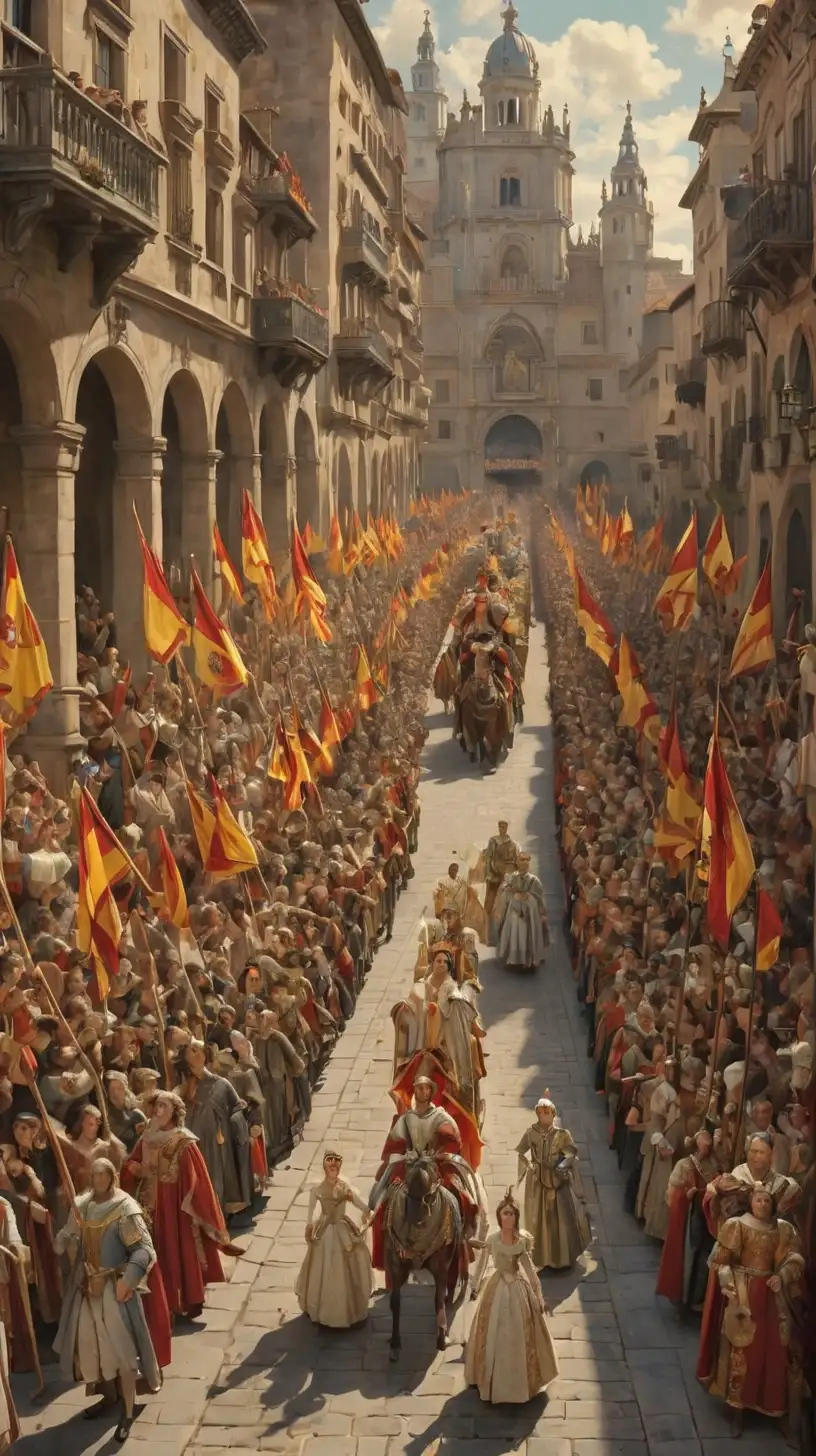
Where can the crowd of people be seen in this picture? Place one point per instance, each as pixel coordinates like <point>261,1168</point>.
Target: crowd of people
<point>146,1095</point>
<point>702,1043</point>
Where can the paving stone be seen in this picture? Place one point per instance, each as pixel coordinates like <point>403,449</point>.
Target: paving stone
<point>674,1427</point>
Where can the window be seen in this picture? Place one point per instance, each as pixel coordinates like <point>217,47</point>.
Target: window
<point>595,389</point>
<point>175,71</point>
<point>628,288</point>
<point>758,167</point>
<point>212,109</point>
<point>500,113</point>
<point>21,16</point>
<point>800,146</point>
<point>109,62</point>
<point>214,227</point>
<point>513,112</point>
<point>445,430</point>
<point>442,391</point>
<point>180,195</point>
<point>240,251</point>
<point>589,333</point>
<point>510,192</point>
<point>779,154</point>
<point>419,113</point>
<point>344,102</point>
<point>420,164</point>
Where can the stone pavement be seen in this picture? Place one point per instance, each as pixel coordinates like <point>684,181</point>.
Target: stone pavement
<point>257,1377</point>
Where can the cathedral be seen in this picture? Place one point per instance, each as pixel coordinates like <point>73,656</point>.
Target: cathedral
<point>529,331</point>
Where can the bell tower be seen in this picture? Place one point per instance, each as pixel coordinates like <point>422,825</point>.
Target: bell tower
<point>426,122</point>
<point>627,230</point>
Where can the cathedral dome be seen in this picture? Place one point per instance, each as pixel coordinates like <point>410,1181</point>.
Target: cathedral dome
<point>511,54</point>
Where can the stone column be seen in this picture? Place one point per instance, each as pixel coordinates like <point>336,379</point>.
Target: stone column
<point>50,458</point>
<point>138,483</point>
<point>198,512</point>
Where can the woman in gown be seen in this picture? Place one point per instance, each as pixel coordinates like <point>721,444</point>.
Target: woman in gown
<point>335,1282</point>
<point>509,1354</point>
<point>746,1355</point>
<point>683,1272</point>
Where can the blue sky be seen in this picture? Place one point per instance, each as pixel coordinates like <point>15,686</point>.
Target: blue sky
<point>595,55</point>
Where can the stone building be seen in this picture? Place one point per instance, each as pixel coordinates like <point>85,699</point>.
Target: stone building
<point>529,333</point>
<point>347,130</point>
<point>425,128</point>
<point>161,325</point>
<point>752,214</point>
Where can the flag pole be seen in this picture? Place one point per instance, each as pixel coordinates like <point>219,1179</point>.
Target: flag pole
<point>749,1035</point>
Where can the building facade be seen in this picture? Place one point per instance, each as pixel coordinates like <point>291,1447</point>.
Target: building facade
<point>528,333</point>
<point>164,334</point>
<point>425,128</point>
<point>365,264</point>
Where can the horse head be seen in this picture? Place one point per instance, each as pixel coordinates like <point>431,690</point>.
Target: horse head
<point>421,1183</point>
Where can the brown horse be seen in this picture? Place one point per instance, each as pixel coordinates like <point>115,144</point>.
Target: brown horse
<point>444,680</point>
<point>485,728</point>
<point>422,1229</point>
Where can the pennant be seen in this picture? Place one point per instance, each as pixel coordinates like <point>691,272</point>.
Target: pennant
<point>255,558</point>
<point>725,847</point>
<point>639,709</point>
<point>600,638</point>
<point>25,675</point>
<point>229,576</point>
<point>165,629</point>
<point>309,594</point>
<point>336,561</point>
<point>218,663</point>
<point>366,688</point>
<point>224,848</point>
<point>677,598</point>
<point>672,759</point>
<point>769,932</point>
<point>651,545</point>
<point>103,864</point>
<point>754,647</point>
<point>174,899</point>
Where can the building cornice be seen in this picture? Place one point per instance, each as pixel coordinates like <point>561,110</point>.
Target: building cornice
<point>233,21</point>
<point>389,93</point>
<point>763,47</point>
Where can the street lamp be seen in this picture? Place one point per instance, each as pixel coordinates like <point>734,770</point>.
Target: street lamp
<point>791,402</point>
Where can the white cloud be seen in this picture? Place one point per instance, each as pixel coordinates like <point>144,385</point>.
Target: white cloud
<point>709,21</point>
<point>472,10</point>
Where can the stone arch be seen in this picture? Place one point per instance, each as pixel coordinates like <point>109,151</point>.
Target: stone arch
<point>798,568</point>
<point>234,442</point>
<point>513,451</point>
<point>595,472</point>
<point>765,536</point>
<point>800,373</point>
<point>275,501</point>
<point>25,334</point>
<point>185,430</point>
<point>514,269</point>
<point>757,384</point>
<point>777,383</point>
<point>308,495</point>
<point>11,463</point>
<point>374,490</point>
<point>515,351</point>
<point>117,470</point>
<point>345,490</point>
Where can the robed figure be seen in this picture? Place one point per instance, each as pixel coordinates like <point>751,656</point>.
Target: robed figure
<point>553,1215</point>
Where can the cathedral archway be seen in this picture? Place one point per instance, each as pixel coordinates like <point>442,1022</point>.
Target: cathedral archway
<point>515,352</point>
<point>513,451</point>
<point>595,473</point>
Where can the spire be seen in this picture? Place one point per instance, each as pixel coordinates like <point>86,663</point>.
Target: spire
<point>729,69</point>
<point>426,45</point>
<point>628,152</point>
<point>510,16</point>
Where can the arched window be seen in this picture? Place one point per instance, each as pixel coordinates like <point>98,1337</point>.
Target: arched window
<point>420,113</point>
<point>514,269</point>
<point>510,192</point>
<point>513,111</point>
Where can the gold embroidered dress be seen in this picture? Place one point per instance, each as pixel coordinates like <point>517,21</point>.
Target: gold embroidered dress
<point>558,1224</point>
<point>335,1282</point>
<point>509,1354</point>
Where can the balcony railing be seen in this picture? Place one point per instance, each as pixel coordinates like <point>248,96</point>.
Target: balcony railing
<point>667,449</point>
<point>363,356</point>
<point>722,329</point>
<point>293,335</point>
<point>690,381</point>
<point>731,453</point>
<point>364,255</point>
<point>280,196</point>
<point>520,466</point>
<point>773,245</point>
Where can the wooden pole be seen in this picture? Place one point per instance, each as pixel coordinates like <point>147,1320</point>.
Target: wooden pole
<point>749,1035</point>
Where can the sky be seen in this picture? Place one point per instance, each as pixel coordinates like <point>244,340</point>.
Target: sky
<point>595,55</point>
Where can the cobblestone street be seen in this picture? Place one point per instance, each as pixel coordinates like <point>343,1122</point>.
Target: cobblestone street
<point>256,1376</point>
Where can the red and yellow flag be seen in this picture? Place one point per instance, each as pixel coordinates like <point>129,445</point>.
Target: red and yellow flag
<point>726,847</point>
<point>366,689</point>
<point>311,541</point>
<point>672,759</point>
<point>639,709</point>
<point>336,560</point>
<point>218,663</point>
<point>25,675</point>
<point>754,647</point>
<point>720,568</point>
<point>173,907</point>
<point>229,576</point>
<point>164,627</point>
<point>103,863</point>
<point>677,597</point>
<point>651,545</point>
<point>309,594</point>
<point>600,638</point>
<point>255,557</point>
<point>329,728</point>
<point>624,545</point>
<point>224,848</point>
<point>769,932</point>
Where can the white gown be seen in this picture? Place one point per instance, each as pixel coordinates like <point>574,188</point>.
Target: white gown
<point>335,1282</point>
<point>509,1354</point>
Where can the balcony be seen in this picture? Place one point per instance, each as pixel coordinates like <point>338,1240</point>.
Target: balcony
<point>362,163</point>
<point>67,161</point>
<point>279,196</point>
<point>773,246</point>
<point>293,337</point>
<point>722,328</point>
<point>515,468</point>
<point>363,358</point>
<point>408,401</point>
<point>731,454</point>
<point>690,382</point>
<point>667,449</point>
<point>363,255</point>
